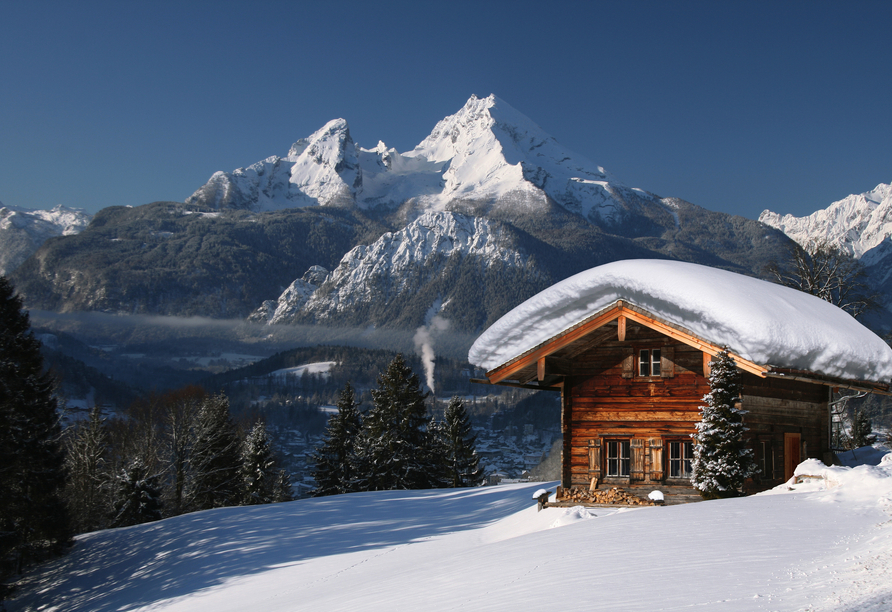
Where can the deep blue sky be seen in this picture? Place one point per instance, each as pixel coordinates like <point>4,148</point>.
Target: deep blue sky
<point>736,107</point>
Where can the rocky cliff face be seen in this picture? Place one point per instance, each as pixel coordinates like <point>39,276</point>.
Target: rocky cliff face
<point>856,224</point>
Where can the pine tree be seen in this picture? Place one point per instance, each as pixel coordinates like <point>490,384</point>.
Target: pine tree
<point>137,496</point>
<point>214,461</point>
<point>33,517</point>
<point>87,490</point>
<point>462,462</point>
<point>721,460</point>
<point>393,448</point>
<point>862,429</point>
<point>282,489</point>
<point>334,459</point>
<point>257,474</point>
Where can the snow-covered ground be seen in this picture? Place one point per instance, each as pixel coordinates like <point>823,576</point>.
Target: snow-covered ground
<point>821,545</point>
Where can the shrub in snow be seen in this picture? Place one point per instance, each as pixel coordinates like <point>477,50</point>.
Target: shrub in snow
<point>721,461</point>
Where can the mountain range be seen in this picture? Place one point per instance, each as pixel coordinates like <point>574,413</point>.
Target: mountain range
<point>484,212</point>
<point>23,231</point>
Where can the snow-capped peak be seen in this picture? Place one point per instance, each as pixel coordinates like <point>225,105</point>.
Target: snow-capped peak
<point>488,154</point>
<point>322,169</point>
<point>856,224</point>
<point>23,230</point>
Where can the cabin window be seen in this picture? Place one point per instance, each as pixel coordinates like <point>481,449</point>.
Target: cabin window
<point>618,458</point>
<point>649,362</point>
<point>680,456</point>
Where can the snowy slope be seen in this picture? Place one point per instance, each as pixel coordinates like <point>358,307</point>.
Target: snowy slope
<point>487,154</point>
<point>23,230</point>
<point>856,224</point>
<point>807,547</point>
<point>766,323</point>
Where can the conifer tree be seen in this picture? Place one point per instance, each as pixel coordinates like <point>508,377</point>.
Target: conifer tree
<point>137,496</point>
<point>334,459</point>
<point>257,474</point>
<point>282,489</point>
<point>721,460</point>
<point>862,429</point>
<point>87,490</point>
<point>214,461</point>
<point>33,517</point>
<point>461,460</point>
<point>394,447</point>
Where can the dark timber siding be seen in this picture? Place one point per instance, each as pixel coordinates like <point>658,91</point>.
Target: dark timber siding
<point>604,400</point>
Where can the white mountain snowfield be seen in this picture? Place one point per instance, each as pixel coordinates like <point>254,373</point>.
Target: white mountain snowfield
<point>822,545</point>
<point>856,224</point>
<point>393,256</point>
<point>766,323</point>
<point>487,153</point>
<point>23,230</point>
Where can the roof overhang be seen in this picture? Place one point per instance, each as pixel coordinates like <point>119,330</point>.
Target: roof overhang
<point>623,311</point>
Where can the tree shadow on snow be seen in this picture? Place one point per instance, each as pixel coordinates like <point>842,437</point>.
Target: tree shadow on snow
<point>121,569</point>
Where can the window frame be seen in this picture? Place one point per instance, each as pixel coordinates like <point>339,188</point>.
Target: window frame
<point>684,458</point>
<point>650,362</point>
<point>622,445</point>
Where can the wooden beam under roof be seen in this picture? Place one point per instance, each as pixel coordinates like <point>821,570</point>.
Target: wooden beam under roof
<point>580,330</point>
<point>620,308</point>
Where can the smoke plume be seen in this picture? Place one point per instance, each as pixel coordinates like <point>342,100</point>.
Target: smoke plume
<point>424,345</point>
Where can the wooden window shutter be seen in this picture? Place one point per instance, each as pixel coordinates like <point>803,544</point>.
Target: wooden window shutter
<point>594,459</point>
<point>636,446</point>
<point>656,459</point>
<point>667,362</point>
<point>628,363</point>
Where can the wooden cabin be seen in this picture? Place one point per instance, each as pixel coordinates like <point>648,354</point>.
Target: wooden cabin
<point>632,381</point>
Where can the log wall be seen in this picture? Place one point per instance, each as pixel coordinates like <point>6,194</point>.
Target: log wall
<point>604,399</point>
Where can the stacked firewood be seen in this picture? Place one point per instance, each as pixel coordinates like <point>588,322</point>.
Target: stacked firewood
<point>604,496</point>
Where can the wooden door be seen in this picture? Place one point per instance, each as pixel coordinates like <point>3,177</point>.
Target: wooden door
<point>792,442</point>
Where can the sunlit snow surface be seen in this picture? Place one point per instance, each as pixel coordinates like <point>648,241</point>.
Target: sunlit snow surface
<point>798,547</point>
<point>763,322</point>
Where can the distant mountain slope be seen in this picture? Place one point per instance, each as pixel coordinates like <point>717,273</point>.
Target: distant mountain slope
<point>23,231</point>
<point>485,212</point>
<point>860,225</point>
<point>857,223</point>
<point>176,259</point>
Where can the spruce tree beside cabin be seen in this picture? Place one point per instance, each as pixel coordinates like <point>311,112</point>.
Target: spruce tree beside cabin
<point>722,462</point>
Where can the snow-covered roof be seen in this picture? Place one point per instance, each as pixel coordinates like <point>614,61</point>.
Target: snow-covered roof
<point>762,322</point>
